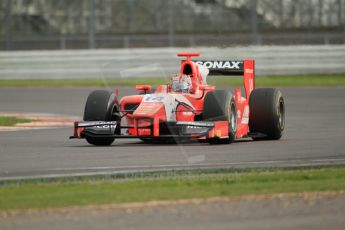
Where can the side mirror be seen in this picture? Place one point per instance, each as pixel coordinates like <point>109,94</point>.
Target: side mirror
<point>207,87</point>
<point>143,87</point>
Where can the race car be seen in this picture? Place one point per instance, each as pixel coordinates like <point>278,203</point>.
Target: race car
<point>186,108</point>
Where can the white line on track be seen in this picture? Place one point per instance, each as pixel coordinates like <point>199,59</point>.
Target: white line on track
<point>109,170</point>
<point>200,165</point>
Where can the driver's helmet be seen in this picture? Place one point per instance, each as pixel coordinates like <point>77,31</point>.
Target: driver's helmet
<point>181,83</point>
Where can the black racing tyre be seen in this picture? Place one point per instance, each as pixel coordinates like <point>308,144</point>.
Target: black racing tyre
<point>101,105</point>
<point>219,105</point>
<point>267,113</point>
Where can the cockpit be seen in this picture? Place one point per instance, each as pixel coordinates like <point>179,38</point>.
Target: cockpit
<point>181,83</point>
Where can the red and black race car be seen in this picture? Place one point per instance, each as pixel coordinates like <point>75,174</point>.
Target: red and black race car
<point>186,108</point>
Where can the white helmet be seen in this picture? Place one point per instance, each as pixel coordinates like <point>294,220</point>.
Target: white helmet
<point>181,83</point>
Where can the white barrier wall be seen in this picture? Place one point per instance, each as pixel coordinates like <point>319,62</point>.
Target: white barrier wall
<point>155,62</point>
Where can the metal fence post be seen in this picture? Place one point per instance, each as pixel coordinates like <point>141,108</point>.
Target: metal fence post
<point>342,6</point>
<point>62,42</point>
<point>91,29</point>
<point>126,42</point>
<point>8,25</point>
<point>171,10</point>
<point>254,25</point>
<point>192,42</point>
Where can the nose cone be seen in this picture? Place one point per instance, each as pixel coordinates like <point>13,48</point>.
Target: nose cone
<point>150,109</point>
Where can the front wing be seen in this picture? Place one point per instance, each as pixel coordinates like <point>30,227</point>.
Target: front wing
<point>188,130</point>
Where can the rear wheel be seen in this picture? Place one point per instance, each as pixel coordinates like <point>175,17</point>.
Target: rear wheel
<point>219,105</point>
<point>101,105</point>
<point>267,113</point>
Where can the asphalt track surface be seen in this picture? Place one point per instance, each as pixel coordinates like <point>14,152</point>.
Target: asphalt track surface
<point>314,135</point>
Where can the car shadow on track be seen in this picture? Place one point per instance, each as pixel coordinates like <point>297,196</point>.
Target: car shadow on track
<point>151,144</point>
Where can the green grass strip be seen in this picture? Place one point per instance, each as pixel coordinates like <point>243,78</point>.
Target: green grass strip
<point>284,81</point>
<point>261,81</point>
<point>62,193</point>
<point>12,121</point>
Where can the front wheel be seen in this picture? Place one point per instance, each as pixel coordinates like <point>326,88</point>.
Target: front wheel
<point>101,105</point>
<point>219,105</point>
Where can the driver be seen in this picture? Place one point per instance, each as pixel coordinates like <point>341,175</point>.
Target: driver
<point>181,83</point>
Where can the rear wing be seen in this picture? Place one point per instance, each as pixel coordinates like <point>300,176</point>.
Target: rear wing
<point>222,67</point>
<point>246,68</point>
